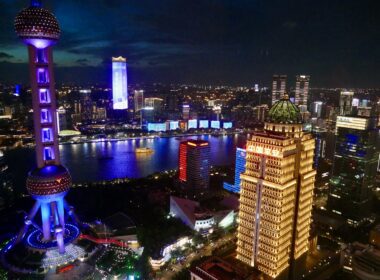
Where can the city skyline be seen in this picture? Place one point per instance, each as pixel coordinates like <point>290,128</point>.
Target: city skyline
<point>207,42</point>
<point>272,180</point>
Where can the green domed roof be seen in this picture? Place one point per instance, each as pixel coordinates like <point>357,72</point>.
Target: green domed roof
<point>284,111</point>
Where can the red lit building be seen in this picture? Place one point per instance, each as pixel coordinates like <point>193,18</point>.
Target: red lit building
<point>194,163</point>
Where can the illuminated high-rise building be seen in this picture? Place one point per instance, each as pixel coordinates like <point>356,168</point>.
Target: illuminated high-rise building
<point>139,100</point>
<point>240,163</point>
<point>194,163</point>
<point>155,103</point>
<point>185,112</point>
<point>278,87</point>
<point>345,103</point>
<point>119,83</point>
<point>276,192</point>
<point>317,109</point>
<point>302,90</point>
<point>354,168</point>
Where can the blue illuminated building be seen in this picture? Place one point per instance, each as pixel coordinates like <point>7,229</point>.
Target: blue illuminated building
<point>119,83</point>
<point>240,162</point>
<point>173,125</point>
<point>354,169</point>
<point>215,124</point>
<point>157,127</point>
<point>227,125</point>
<point>192,124</point>
<point>203,124</point>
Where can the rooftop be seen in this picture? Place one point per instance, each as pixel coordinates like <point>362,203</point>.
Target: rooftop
<point>284,111</point>
<point>217,269</point>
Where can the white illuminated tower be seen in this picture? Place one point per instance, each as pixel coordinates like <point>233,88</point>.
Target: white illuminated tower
<point>278,87</point>
<point>302,90</point>
<point>50,181</point>
<point>119,83</point>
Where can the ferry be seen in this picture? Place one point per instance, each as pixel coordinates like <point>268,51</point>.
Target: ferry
<point>144,150</point>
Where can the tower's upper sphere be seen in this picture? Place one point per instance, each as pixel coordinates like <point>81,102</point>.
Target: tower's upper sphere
<point>36,24</point>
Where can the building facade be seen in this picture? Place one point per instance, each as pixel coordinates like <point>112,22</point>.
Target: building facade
<point>276,192</point>
<point>240,163</point>
<point>302,90</point>
<point>354,169</point>
<point>345,103</point>
<point>194,163</point>
<point>278,87</point>
<point>138,100</point>
<point>119,83</point>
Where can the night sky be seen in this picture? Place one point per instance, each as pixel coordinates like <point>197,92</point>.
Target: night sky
<point>236,42</point>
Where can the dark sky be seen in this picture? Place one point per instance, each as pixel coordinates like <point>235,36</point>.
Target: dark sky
<point>206,41</point>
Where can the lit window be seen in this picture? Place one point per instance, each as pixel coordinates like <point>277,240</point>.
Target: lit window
<point>45,116</point>
<point>47,135</point>
<point>42,76</point>
<point>48,153</point>
<point>44,96</point>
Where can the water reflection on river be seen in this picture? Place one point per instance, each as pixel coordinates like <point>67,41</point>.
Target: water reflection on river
<point>109,160</point>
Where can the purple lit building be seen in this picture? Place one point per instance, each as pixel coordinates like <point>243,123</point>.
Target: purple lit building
<point>119,83</point>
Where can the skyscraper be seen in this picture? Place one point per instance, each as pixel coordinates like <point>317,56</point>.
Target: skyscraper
<point>185,112</point>
<point>50,181</point>
<point>354,169</point>
<point>139,100</point>
<point>302,90</point>
<point>276,192</point>
<point>278,87</point>
<point>345,103</point>
<point>194,163</point>
<point>119,83</point>
<point>240,163</point>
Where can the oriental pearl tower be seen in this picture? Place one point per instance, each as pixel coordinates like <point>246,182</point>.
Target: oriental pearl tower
<point>50,181</point>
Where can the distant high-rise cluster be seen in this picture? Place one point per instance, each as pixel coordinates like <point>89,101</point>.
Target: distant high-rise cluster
<point>119,83</point>
<point>276,192</point>
<point>301,95</point>
<point>194,163</point>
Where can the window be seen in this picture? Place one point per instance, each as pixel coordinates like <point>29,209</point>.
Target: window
<point>47,135</point>
<point>44,96</point>
<point>42,76</point>
<point>45,116</point>
<point>48,153</point>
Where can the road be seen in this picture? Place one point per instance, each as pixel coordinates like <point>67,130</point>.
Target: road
<point>205,251</point>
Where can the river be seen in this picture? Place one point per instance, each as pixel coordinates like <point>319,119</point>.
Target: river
<point>109,160</point>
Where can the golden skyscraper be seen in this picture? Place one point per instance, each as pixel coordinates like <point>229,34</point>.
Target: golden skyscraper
<point>276,192</point>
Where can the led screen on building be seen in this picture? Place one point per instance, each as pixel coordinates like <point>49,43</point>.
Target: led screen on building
<point>193,124</point>
<point>157,127</point>
<point>119,83</point>
<point>227,125</point>
<point>203,124</point>
<point>173,125</point>
<point>215,124</point>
